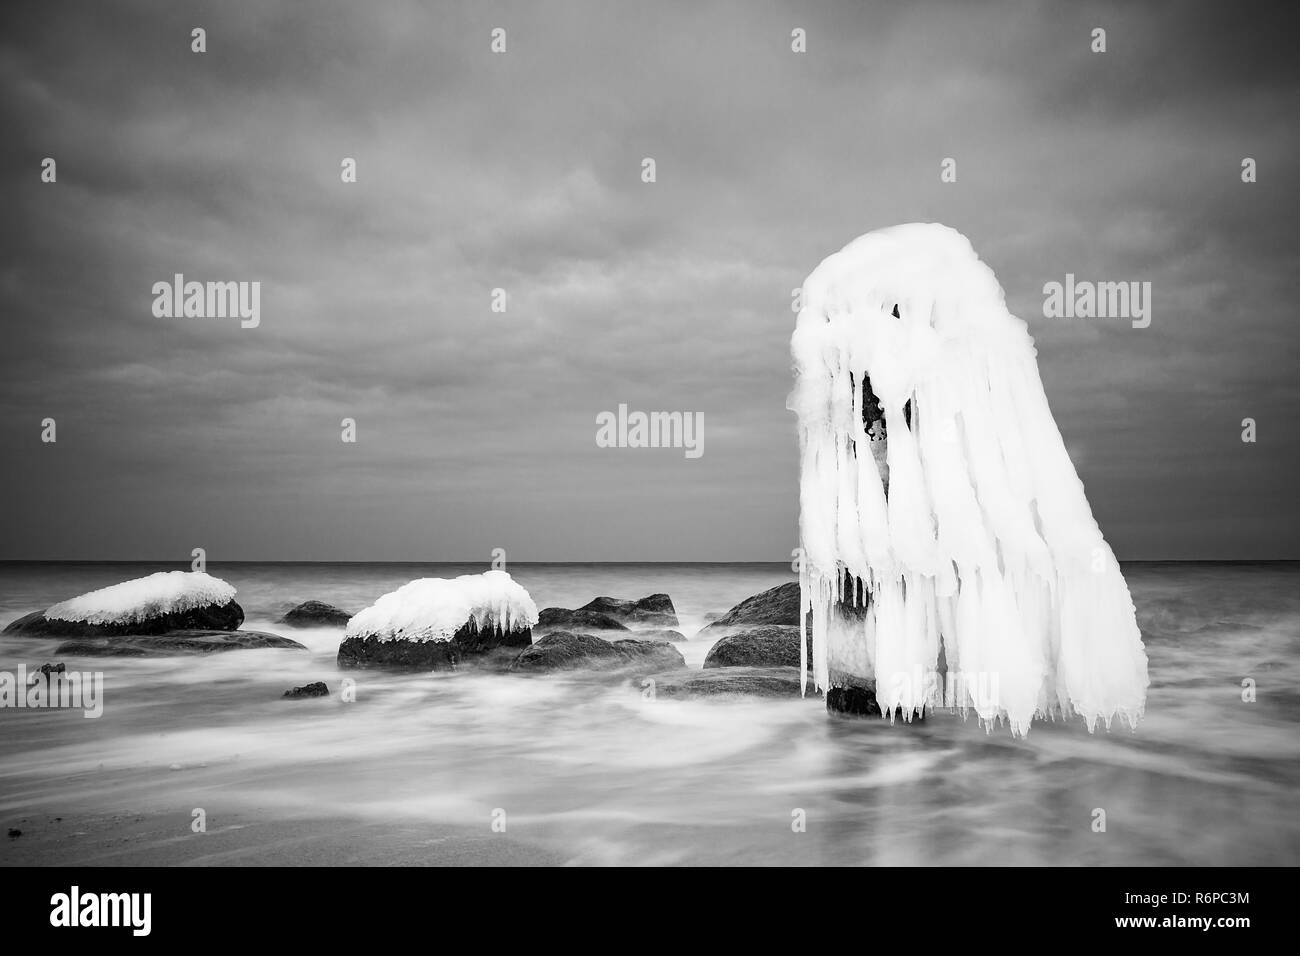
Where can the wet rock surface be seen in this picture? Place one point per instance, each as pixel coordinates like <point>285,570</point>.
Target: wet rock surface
<point>778,605</point>
<point>770,645</point>
<point>563,619</point>
<point>654,609</point>
<point>176,642</point>
<point>565,650</point>
<point>316,614</point>
<point>212,617</point>
<point>727,682</point>
<point>611,614</point>
<point>468,645</point>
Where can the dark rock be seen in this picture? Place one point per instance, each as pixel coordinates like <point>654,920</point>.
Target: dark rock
<point>474,641</point>
<point>770,645</point>
<point>610,614</point>
<point>561,650</point>
<point>728,681</point>
<point>564,650</point>
<point>658,634</point>
<point>468,645</point>
<point>778,605</point>
<point>213,617</point>
<point>27,624</point>
<point>15,832</point>
<point>659,653</point>
<point>314,689</point>
<point>562,619</point>
<point>316,614</point>
<point>399,654</point>
<point>175,642</point>
<point>855,699</point>
<point>654,609</point>
<point>48,670</point>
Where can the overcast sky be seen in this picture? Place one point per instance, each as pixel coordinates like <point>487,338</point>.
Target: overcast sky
<point>522,171</point>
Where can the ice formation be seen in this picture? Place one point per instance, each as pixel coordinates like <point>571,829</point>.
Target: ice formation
<point>143,599</point>
<point>949,553</point>
<point>434,609</point>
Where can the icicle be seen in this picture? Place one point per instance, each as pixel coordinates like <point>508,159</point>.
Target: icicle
<point>805,605</point>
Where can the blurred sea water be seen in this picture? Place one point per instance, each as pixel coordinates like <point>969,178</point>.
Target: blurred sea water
<point>596,773</point>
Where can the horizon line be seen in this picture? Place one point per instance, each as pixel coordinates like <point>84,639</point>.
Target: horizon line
<point>480,561</point>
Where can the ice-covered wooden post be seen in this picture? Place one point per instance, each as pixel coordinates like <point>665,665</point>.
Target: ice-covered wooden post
<point>949,555</point>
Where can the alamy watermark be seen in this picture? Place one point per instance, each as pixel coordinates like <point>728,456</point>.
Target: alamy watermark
<point>51,687</point>
<point>1084,299</point>
<point>179,299</point>
<point>626,429</point>
<point>75,908</point>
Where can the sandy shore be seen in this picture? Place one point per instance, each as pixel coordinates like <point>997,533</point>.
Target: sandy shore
<point>165,839</point>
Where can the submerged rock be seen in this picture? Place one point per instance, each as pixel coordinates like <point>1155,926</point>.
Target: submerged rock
<point>726,682</point>
<point>176,642</point>
<point>316,614</point>
<point>653,609</point>
<point>854,699</point>
<point>611,614</point>
<point>661,653</point>
<point>769,645</point>
<point>778,605</point>
<point>563,619</point>
<point>314,689</point>
<point>564,650</point>
<point>658,634</point>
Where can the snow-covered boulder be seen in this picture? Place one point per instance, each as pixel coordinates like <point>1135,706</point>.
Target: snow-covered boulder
<point>434,623</point>
<point>155,604</point>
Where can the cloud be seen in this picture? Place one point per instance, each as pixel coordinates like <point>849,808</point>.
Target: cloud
<point>522,171</point>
